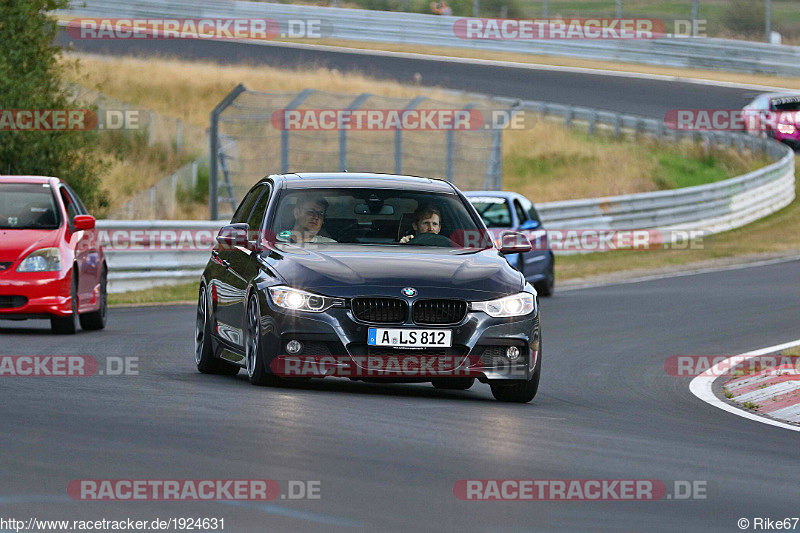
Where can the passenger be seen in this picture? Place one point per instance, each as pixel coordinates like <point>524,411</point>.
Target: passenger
<point>309,215</point>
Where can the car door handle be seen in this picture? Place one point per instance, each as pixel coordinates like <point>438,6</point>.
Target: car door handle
<point>223,262</point>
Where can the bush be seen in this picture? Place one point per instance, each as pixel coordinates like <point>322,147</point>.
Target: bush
<point>747,17</point>
<point>30,78</point>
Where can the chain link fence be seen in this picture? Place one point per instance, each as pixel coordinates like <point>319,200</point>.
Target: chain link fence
<point>252,136</point>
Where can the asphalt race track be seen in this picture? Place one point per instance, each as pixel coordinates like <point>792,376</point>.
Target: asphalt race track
<point>645,97</point>
<point>387,456</point>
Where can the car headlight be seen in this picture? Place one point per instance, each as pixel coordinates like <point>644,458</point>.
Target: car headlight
<point>44,260</point>
<point>297,300</point>
<point>516,305</point>
<point>787,129</point>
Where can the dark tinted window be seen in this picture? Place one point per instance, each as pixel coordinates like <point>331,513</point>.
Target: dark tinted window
<point>530,209</point>
<point>28,206</point>
<point>257,214</point>
<point>521,215</point>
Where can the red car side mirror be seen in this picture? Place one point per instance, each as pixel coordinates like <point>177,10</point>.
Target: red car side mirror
<point>83,222</point>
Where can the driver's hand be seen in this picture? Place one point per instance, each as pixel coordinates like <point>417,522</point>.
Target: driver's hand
<point>405,239</point>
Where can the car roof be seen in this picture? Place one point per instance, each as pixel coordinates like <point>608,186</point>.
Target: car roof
<point>29,179</point>
<point>304,180</point>
<point>508,195</point>
<point>779,95</point>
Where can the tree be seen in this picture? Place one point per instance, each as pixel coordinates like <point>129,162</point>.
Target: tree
<point>31,68</point>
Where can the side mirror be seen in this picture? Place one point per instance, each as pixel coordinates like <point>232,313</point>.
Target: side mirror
<point>234,235</point>
<point>83,222</point>
<point>529,225</point>
<point>512,242</point>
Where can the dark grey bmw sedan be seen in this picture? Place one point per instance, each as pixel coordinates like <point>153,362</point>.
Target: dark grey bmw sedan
<point>372,277</point>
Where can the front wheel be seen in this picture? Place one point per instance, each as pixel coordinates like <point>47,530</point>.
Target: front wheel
<point>68,325</point>
<point>254,349</point>
<point>203,353</point>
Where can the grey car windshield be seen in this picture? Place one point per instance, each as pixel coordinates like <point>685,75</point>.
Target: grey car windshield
<point>376,216</point>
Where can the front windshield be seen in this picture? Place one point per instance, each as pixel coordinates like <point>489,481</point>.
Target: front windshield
<point>494,211</point>
<point>376,216</point>
<point>27,206</point>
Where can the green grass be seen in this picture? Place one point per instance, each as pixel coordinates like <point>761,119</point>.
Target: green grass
<point>185,292</point>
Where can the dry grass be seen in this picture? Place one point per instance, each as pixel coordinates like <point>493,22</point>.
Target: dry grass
<point>550,162</point>
<point>792,351</point>
<point>189,90</point>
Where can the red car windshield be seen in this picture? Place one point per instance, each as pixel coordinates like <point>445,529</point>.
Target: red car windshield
<point>28,206</point>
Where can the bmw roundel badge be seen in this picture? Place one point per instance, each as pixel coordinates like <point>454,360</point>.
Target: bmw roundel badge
<point>410,292</point>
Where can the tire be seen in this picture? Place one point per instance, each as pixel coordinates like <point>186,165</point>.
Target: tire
<point>453,383</point>
<point>68,325</point>
<point>203,354</point>
<point>254,349</point>
<point>97,319</point>
<point>518,391</point>
<point>547,286</point>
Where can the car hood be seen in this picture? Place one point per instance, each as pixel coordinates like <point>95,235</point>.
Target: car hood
<point>15,243</point>
<point>348,271</point>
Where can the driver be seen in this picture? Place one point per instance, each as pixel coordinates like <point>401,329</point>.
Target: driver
<point>426,219</point>
<point>309,215</point>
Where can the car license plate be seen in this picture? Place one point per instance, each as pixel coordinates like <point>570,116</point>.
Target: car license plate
<point>410,338</point>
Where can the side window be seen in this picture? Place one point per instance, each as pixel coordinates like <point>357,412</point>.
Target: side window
<point>762,103</point>
<point>528,207</point>
<point>69,204</point>
<point>521,215</point>
<point>243,213</point>
<point>257,215</point>
<point>79,207</point>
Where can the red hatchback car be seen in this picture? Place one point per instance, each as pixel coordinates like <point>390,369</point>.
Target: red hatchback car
<point>50,263</point>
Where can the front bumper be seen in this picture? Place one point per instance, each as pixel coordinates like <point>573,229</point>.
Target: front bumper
<point>34,295</point>
<point>479,341</point>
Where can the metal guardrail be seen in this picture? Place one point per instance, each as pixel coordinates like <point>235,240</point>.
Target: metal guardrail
<point>435,30</point>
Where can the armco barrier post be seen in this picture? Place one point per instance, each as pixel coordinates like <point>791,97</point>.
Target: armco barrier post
<point>398,137</point>
<point>213,141</point>
<point>294,104</point>
<point>355,104</point>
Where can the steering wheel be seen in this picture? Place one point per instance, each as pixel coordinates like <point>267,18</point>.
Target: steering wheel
<point>430,239</point>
